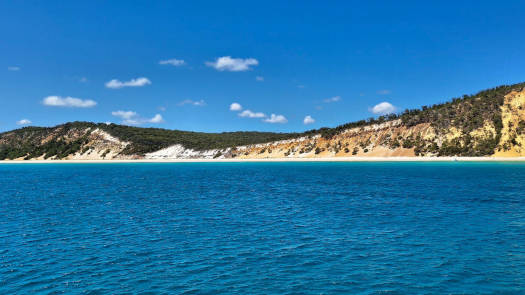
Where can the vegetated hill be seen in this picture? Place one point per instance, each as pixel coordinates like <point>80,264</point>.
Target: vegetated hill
<point>468,126</point>
<point>491,122</point>
<point>108,141</point>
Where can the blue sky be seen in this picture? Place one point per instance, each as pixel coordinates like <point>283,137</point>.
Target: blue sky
<point>332,61</point>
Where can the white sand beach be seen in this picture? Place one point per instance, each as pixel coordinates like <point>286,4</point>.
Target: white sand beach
<point>320,159</point>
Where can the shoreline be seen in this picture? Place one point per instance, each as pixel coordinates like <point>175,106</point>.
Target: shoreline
<point>327,159</point>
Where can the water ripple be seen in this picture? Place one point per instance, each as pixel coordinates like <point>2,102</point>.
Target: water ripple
<point>263,228</point>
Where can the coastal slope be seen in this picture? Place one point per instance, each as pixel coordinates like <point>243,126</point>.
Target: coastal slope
<point>490,123</point>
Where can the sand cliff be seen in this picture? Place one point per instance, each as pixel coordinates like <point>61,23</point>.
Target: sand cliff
<point>490,124</point>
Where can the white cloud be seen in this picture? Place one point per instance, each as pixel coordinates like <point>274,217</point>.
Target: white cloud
<point>23,122</point>
<point>276,119</point>
<point>13,69</point>
<point>198,103</point>
<point>259,78</point>
<point>156,119</point>
<point>83,80</point>
<point>383,108</point>
<point>227,63</point>
<point>384,92</point>
<point>332,99</point>
<point>132,118</point>
<point>235,107</point>
<point>250,114</point>
<point>174,62</point>
<point>139,82</point>
<point>308,120</point>
<point>162,109</point>
<point>57,101</point>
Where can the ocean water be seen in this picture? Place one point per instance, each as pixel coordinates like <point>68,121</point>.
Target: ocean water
<point>262,228</point>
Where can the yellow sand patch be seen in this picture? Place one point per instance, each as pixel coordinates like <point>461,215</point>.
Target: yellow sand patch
<point>512,144</point>
<point>486,131</point>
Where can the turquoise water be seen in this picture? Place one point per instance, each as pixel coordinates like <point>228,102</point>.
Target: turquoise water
<point>263,228</point>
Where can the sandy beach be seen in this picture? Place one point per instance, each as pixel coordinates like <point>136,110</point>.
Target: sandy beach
<point>328,159</point>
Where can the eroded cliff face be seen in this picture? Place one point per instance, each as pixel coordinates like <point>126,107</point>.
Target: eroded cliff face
<point>101,146</point>
<point>375,140</point>
<point>392,139</point>
<point>512,142</point>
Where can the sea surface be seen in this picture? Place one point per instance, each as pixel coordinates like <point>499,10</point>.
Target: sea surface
<point>262,228</point>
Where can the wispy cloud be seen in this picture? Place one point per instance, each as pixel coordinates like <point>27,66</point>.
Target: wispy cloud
<point>227,63</point>
<point>332,99</point>
<point>235,107</point>
<point>384,92</point>
<point>72,102</point>
<point>308,120</point>
<point>250,114</point>
<point>124,115</point>
<point>23,122</point>
<point>83,80</point>
<point>174,62</point>
<point>300,86</point>
<point>383,108</point>
<point>13,68</point>
<point>276,119</point>
<point>197,103</point>
<point>138,82</point>
<point>132,118</point>
<point>259,78</point>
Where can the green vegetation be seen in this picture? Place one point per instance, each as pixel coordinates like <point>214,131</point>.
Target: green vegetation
<point>467,114</point>
<point>521,127</point>
<point>27,143</point>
